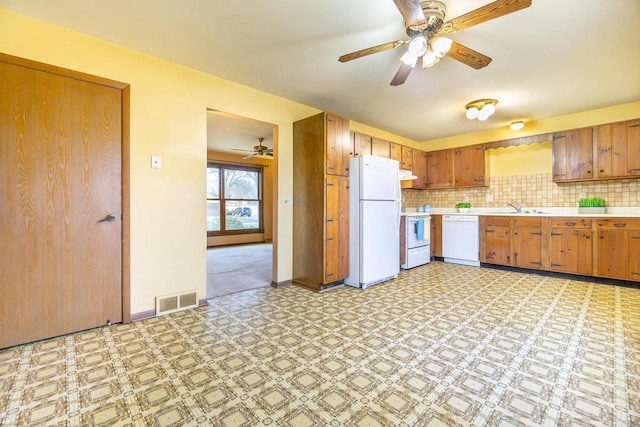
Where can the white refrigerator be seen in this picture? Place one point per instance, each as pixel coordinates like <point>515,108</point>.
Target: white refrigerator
<point>374,220</point>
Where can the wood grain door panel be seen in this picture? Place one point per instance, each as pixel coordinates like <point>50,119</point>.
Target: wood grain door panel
<point>60,173</point>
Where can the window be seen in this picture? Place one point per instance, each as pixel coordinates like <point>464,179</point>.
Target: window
<point>234,199</point>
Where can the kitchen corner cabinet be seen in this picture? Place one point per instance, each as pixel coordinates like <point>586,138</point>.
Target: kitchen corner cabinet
<point>436,235</point>
<point>573,155</point>
<point>470,166</point>
<point>419,169</point>
<point>618,248</point>
<point>571,245</point>
<point>440,169</point>
<point>618,150</point>
<point>320,201</point>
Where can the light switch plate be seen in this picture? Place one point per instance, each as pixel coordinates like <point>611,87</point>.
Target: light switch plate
<point>156,162</point>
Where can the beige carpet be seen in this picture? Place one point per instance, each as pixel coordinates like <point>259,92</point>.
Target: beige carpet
<point>238,268</point>
<point>442,345</point>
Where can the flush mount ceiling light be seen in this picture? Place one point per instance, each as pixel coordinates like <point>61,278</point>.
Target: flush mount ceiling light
<point>517,125</point>
<point>481,109</point>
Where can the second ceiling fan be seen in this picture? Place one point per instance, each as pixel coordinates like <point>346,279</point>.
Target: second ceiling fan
<point>424,23</point>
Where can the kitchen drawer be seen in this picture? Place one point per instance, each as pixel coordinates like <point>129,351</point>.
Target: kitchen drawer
<point>618,223</point>
<point>526,222</point>
<point>502,221</point>
<point>570,222</point>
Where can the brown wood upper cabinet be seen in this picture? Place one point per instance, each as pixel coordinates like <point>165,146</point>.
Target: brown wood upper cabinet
<point>470,166</point>
<point>457,167</point>
<point>609,151</point>
<point>406,161</point>
<point>339,148</point>
<point>361,144</point>
<point>440,169</point>
<point>573,155</point>
<point>380,147</point>
<point>396,152</point>
<point>419,169</point>
<point>618,150</point>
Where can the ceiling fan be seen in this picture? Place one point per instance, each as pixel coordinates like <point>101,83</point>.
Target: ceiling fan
<point>424,23</point>
<point>258,150</point>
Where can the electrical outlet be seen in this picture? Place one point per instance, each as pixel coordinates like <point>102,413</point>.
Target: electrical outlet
<point>583,195</point>
<point>489,198</point>
<point>465,198</point>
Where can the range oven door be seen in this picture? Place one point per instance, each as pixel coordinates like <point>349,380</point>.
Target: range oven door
<point>414,238</point>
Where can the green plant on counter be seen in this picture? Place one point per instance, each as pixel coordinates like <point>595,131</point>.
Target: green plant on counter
<point>591,202</point>
<point>463,205</point>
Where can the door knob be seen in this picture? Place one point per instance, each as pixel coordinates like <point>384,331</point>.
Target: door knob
<point>108,218</point>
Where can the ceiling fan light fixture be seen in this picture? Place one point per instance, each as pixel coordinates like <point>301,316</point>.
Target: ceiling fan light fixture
<point>429,59</point>
<point>517,125</point>
<point>441,46</point>
<point>481,109</point>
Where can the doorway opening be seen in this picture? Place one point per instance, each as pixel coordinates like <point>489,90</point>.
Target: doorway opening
<point>241,203</point>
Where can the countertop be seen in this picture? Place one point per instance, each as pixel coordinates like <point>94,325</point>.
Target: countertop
<point>621,212</point>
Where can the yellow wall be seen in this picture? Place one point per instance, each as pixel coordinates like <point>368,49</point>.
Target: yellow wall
<point>169,104</point>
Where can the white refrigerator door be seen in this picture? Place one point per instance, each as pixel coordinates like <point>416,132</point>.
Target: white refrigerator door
<point>379,179</point>
<point>379,240</point>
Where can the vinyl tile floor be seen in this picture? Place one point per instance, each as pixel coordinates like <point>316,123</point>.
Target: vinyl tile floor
<point>442,345</point>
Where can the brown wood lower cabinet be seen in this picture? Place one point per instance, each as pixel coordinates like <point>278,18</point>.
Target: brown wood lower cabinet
<point>571,245</point>
<point>436,235</point>
<point>602,247</point>
<point>495,240</point>
<point>617,248</point>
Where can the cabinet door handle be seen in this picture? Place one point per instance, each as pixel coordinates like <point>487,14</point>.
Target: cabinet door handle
<point>620,225</point>
<point>569,224</point>
<point>536,233</point>
<point>635,170</point>
<point>536,262</point>
<point>556,234</point>
<point>557,265</point>
<point>635,237</point>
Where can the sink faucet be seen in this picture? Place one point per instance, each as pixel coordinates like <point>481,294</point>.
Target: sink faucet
<point>515,206</point>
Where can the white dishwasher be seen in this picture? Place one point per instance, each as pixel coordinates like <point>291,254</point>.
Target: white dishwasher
<point>461,239</point>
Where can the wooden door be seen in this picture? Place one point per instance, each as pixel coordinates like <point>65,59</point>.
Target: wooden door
<point>60,176</point>
<point>573,155</point>
<point>571,251</point>
<point>469,166</point>
<point>407,158</point>
<point>527,247</point>
<point>337,229</point>
<point>612,253</point>
<point>380,147</point>
<point>634,255</point>
<point>338,145</point>
<point>361,144</point>
<point>497,245</point>
<point>440,169</point>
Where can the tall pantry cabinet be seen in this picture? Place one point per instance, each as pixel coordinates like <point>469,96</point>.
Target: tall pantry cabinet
<point>321,150</point>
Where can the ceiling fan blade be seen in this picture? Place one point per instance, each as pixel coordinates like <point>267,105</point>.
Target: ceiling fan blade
<point>371,50</point>
<point>250,156</point>
<point>468,56</point>
<point>411,12</point>
<point>401,75</point>
<point>239,149</point>
<point>485,13</point>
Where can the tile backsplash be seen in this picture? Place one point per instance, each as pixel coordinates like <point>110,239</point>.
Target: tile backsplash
<point>529,190</point>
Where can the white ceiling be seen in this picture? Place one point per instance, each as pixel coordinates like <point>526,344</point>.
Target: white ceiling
<point>553,58</point>
<point>228,133</point>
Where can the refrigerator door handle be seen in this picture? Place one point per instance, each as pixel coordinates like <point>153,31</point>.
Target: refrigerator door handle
<point>398,217</point>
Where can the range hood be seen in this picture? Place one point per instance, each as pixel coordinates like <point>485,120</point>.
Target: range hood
<point>406,175</point>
